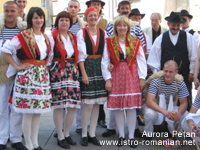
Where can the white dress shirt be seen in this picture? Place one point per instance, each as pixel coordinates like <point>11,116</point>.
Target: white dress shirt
<point>140,59</point>
<point>154,59</point>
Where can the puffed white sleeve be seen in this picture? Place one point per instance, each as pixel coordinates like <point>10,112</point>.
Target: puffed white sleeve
<point>154,57</point>
<point>52,42</point>
<point>11,46</point>
<point>105,61</point>
<point>192,47</point>
<point>141,63</point>
<point>81,46</point>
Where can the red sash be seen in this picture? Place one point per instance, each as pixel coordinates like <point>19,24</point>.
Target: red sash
<point>61,47</point>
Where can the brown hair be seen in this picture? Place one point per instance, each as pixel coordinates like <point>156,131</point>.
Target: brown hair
<point>63,14</point>
<point>124,3</point>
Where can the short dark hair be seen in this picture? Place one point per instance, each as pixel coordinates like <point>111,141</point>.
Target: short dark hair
<point>63,14</point>
<point>10,3</point>
<point>100,12</point>
<point>39,12</point>
<point>124,3</point>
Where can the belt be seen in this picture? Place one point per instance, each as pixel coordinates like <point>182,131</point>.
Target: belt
<point>68,59</point>
<point>34,62</point>
<point>94,56</point>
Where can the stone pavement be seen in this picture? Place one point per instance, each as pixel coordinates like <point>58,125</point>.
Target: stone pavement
<point>48,142</point>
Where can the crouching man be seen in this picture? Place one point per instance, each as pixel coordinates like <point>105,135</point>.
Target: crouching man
<point>166,88</point>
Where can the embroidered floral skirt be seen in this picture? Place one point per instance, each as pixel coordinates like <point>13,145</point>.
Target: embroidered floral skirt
<point>32,91</point>
<point>125,92</point>
<point>65,85</point>
<point>95,92</point>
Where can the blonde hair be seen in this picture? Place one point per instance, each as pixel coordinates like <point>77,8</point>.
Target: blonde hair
<point>125,20</point>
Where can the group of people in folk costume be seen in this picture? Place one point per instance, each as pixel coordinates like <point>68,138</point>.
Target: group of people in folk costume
<point>85,62</point>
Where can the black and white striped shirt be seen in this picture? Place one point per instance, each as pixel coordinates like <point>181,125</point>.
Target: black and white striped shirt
<point>196,103</point>
<point>74,28</point>
<point>168,89</point>
<point>135,31</point>
<point>8,33</point>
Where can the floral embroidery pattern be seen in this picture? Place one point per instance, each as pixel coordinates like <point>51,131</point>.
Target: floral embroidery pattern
<point>32,88</point>
<point>132,46</point>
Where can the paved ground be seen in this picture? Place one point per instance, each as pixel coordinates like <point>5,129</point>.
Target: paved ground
<point>48,142</point>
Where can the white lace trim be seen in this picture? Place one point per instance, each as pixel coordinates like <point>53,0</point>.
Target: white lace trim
<point>90,93</point>
<point>33,87</point>
<point>57,101</point>
<point>31,111</point>
<point>73,84</point>
<point>67,105</point>
<point>115,95</point>
<point>38,97</point>
<point>94,101</point>
<point>123,108</point>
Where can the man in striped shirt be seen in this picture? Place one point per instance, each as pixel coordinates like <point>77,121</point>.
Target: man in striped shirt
<point>22,5</point>
<point>167,85</point>
<point>10,25</point>
<point>74,8</point>
<point>124,8</point>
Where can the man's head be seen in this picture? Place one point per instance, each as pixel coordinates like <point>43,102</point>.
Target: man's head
<point>135,15</point>
<point>22,4</point>
<point>155,20</point>
<point>174,22</point>
<point>11,12</point>
<point>124,8</point>
<point>188,17</point>
<point>98,4</point>
<point>73,8</point>
<point>170,70</point>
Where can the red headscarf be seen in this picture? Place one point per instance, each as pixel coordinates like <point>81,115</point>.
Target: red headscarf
<point>89,10</point>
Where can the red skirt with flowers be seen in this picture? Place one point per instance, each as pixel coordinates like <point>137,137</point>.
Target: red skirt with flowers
<point>125,92</point>
<point>65,86</point>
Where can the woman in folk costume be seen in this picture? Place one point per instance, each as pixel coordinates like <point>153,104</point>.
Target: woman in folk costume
<point>127,80</point>
<point>32,92</point>
<point>90,45</point>
<point>64,76</point>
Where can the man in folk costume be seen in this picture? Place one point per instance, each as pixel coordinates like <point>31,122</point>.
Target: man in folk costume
<point>10,25</point>
<point>176,45</point>
<point>165,89</point>
<point>22,5</point>
<point>101,23</point>
<point>98,4</point>
<point>186,25</point>
<point>124,8</point>
<point>135,15</point>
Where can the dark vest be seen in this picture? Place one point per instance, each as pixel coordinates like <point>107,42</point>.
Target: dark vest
<point>178,53</point>
<point>89,43</point>
<point>191,31</point>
